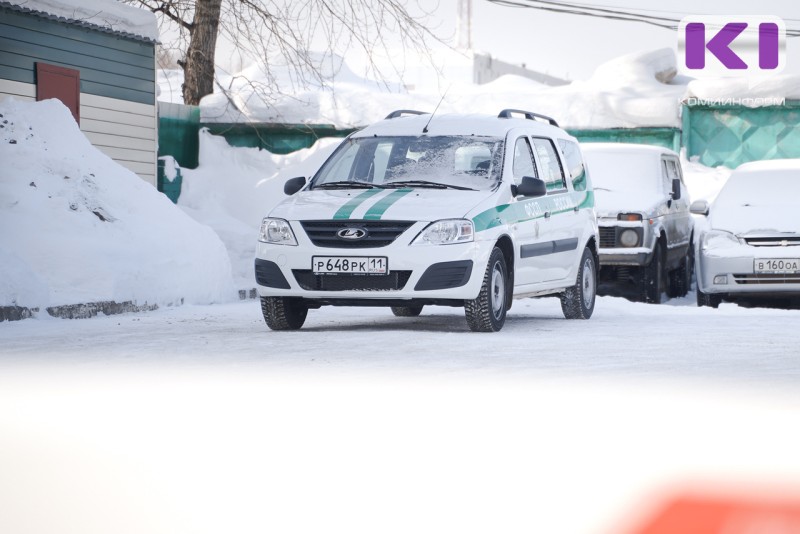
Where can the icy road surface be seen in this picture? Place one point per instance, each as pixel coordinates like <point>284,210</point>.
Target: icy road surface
<point>200,420</point>
<point>676,340</point>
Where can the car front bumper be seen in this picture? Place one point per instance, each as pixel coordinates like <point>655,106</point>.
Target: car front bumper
<point>733,274</point>
<point>416,272</point>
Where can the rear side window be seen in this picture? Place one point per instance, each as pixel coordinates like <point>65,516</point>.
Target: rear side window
<point>575,166</point>
<point>523,160</point>
<point>553,174</point>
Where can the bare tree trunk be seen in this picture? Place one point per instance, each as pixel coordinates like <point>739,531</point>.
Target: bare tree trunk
<point>198,68</point>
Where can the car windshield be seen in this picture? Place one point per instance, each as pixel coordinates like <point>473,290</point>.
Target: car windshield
<point>457,162</point>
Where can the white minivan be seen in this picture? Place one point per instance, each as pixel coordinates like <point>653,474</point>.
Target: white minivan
<point>450,210</point>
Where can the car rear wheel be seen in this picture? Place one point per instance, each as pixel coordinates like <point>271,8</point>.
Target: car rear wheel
<point>406,311</point>
<point>653,276</point>
<point>708,299</point>
<point>487,313</point>
<point>577,302</point>
<point>283,313</point>
<point>680,280</point>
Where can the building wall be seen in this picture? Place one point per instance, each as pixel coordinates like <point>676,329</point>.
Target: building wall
<point>117,81</point>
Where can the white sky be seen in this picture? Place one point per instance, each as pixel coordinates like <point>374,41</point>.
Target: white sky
<point>572,46</point>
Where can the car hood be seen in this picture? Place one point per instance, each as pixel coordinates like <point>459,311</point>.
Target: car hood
<point>610,203</point>
<point>406,204</point>
<point>755,220</point>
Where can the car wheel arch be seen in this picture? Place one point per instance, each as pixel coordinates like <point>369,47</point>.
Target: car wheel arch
<point>506,246</point>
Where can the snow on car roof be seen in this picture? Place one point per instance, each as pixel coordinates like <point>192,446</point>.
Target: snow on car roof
<point>625,148</point>
<point>457,124</point>
<point>770,165</point>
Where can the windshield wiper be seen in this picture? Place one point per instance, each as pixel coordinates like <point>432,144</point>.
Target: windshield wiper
<point>425,183</point>
<point>348,184</point>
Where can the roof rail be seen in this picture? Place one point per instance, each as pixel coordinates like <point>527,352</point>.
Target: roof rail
<point>506,114</point>
<point>401,112</point>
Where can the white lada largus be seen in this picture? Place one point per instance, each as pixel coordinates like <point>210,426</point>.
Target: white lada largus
<point>417,210</point>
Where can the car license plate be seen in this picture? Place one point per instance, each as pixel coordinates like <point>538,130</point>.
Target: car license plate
<point>776,266</point>
<point>350,265</point>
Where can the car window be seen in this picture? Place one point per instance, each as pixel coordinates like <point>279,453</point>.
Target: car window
<point>668,173</point>
<point>553,174</point>
<point>523,160</point>
<point>468,161</point>
<point>575,166</point>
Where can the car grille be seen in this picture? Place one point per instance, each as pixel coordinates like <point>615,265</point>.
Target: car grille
<point>309,281</point>
<point>764,278</point>
<point>379,233</point>
<point>793,241</point>
<point>608,236</point>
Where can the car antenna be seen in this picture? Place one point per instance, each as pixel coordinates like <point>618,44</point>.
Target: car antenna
<point>425,129</point>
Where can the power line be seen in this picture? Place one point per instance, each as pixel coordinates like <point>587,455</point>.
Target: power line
<point>605,12</point>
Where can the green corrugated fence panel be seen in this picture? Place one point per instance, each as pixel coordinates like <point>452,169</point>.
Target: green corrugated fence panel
<point>732,135</point>
<point>177,133</point>
<point>277,138</point>
<point>665,137</point>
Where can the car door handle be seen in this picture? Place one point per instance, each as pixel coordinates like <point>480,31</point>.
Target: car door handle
<point>547,215</point>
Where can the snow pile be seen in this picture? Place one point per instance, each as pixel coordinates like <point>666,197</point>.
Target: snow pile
<point>78,227</point>
<point>751,92</point>
<point>636,90</point>
<point>109,14</point>
<point>630,91</point>
<point>232,189</point>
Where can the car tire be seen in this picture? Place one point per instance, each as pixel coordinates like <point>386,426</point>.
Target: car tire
<point>487,313</point>
<point>407,311</point>
<point>283,313</point>
<point>710,300</point>
<point>577,302</point>
<point>680,280</point>
<point>653,276</point>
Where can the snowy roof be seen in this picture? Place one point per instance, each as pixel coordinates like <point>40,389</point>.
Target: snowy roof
<point>108,16</point>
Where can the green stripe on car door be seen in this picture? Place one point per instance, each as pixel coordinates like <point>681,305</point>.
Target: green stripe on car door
<point>347,210</point>
<point>380,207</point>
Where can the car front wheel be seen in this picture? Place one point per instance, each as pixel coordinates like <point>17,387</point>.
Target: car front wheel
<point>487,313</point>
<point>283,313</point>
<point>406,311</point>
<point>577,302</point>
<point>708,299</point>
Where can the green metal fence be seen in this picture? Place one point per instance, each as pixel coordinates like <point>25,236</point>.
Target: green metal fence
<point>665,137</point>
<point>732,135</point>
<point>717,135</point>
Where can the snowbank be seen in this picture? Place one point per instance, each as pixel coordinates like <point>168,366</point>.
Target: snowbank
<point>77,227</point>
<point>109,14</point>
<point>636,90</point>
<point>232,189</point>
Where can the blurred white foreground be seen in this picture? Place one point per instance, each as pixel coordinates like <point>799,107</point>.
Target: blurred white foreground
<point>199,419</point>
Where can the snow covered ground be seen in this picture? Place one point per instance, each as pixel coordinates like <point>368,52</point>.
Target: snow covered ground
<point>199,419</point>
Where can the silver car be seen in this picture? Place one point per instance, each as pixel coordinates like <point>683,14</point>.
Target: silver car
<point>643,215</point>
<point>751,248</point>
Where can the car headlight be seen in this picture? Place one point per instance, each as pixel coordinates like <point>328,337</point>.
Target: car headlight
<point>629,237</point>
<point>446,232</point>
<point>718,239</point>
<point>277,232</point>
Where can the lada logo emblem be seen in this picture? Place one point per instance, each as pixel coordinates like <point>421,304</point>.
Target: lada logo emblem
<point>352,233</point>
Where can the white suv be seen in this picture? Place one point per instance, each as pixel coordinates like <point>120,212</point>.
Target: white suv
<point>417,210</point>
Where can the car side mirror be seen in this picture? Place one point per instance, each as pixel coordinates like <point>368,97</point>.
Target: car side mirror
<point>699,207</point>
<point>531,187</point>
<point>293,185</point>
<point>676,188</point>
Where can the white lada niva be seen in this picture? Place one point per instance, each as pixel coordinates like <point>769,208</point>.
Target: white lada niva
<point>450,210</point>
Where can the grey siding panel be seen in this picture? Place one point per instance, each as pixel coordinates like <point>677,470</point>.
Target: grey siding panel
<point>85,35</point>
<point>88,49</point>
<point>109,65</point>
